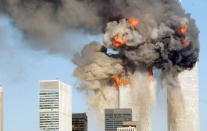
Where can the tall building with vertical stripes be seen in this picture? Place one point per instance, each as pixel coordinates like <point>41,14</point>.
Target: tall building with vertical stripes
<point>114,118</point>
<point>190,92</point>
<point>80,122</point>
<point>55,106</point>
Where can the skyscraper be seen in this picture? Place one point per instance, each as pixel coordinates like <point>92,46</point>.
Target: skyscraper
<point>189,85</point>
<point>126,101</point>
<point>1,108</point>
<point>114,118</point>
<point>55,106</point>
<point>80,122</point>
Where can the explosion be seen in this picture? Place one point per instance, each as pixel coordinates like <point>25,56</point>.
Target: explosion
<point>183,30</point>
<point>118,42</point>
<point>134,22</point>
<point>169,47</point>
<point>121,81</point>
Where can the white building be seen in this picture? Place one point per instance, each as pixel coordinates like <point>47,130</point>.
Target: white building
<point>126,129</point>
<point>55,106</point>
<point>133,97</point>
<point>189,85</point>
<point>126,101</point>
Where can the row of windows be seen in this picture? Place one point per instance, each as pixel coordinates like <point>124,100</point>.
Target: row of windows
<point>49,114</point>
<point>49,129</point>
<point>49,125</point>
<point>49,99</point>
<point>47,92</point>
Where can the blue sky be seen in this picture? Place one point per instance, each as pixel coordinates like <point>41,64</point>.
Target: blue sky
<point>21,68</point>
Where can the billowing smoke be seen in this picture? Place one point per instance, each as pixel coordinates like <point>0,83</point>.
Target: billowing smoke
<point>144,37</point>
<point>145,34</point>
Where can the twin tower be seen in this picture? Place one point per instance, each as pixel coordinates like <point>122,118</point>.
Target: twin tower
<point>168,114</point>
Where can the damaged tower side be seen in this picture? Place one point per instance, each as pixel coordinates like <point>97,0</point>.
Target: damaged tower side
<point>189,86</point>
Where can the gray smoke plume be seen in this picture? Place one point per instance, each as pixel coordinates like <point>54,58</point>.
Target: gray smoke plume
<point>165,47</point>
<point>160,21</point>
<point>95,64</point>
<point>165,38</point>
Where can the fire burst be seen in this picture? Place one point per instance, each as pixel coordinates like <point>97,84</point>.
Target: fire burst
<point>134,22</point>
<point>121,81</point>
<point>118,42</point>
<point>150,75</point>
<point>183,30</point>
<point>186,44</point>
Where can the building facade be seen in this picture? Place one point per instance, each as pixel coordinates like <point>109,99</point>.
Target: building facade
<point>114,118</point>
<point>55,106</point>
<point>1,108</point>
<point>190,91</point>
<point>79,122</point>
<point>126,129</point>
<point>127,101</point>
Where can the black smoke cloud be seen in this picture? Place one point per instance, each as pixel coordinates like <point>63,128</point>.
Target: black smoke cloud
<point>48,18</point>
<point>47,21</point>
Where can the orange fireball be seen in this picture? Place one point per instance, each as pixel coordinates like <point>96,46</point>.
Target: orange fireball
<point>183,30</point>
<point>118,42</point>
<point>186,44</point>
<point>134,22</point>
<point>117,82</point>
<point>121,81</point>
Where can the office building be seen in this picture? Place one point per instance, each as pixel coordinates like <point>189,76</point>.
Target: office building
<point>1,108</point>
<point>141,106</point>
<point>189,84</point>
<point>80,122</point>
<point>114,118</point>
<point>127,101</point>
<point>55,106</point>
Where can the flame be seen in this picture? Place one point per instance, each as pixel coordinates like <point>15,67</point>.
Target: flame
<point>121,81</point>
<point>134,22</point>
<point>183,30</point>
<point>186,43</point>
<point>124,81</point>
<point>150,75</point>
<point>118,42</point>
<point>117,82</point>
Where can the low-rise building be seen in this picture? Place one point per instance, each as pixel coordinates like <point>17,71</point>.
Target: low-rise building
<point>80,122</point>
